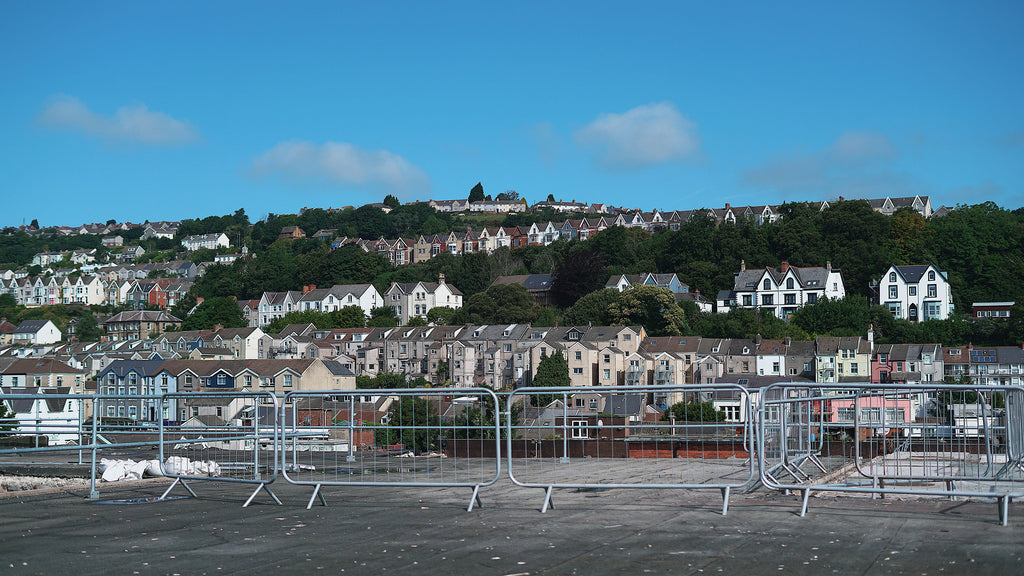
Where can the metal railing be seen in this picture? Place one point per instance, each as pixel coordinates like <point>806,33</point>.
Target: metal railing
<point>556,440</point>
<point>877,439</point>
<point>238,446</point>
<point>873,440</point>
<point>405,437</point>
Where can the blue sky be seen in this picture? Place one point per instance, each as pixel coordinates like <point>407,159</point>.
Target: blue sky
<point>161,110</point>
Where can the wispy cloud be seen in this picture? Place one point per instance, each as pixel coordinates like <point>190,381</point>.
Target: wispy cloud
<point>643,136</point>
<point>343,164</point>
<point>134,124</point>
<point>857,163</point>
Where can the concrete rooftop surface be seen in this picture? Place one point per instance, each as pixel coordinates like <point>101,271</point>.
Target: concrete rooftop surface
<point>396,530</point>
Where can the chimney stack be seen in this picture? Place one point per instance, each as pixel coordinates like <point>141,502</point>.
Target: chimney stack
<point>440,278</point>
<point>828,265</point>
<point>785,266</point>
<point>743,265</point>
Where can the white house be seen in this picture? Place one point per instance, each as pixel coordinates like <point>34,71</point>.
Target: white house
<point>211,241</point>
<point>416,299</point>
<point>340,296</point>
<point>32,332</point>
<point>44,411</point>
<point>916,293</point>
<point>780,291</point>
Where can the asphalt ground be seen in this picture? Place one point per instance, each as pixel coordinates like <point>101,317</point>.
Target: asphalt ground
<point>401,530</point>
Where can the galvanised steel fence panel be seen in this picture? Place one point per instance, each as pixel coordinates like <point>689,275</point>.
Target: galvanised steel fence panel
<point>788,439</point>
<point>89,426</point>
<point>447,437</point>
<point>878,439</point>
<point>589,438</point>
<point>228,437</point>
<point>1014,433</point>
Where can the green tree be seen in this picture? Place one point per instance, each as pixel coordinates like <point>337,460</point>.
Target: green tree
<point>848,316</point>
<point>349,317</point>
<point>382,317</point>
<point>508,196</point>
<point>440,315</point>
<point>219,310</point>
<point>392,201</point>
<point>695,412</point>
<point>578,274</point>
<point>652,307</point>
<point>416,321</point>
<point>501,304</point>
<point>442,375</point>
<point>552,371</point>
<point>88,329</point>
<point>383,380</point>
<point>592,308</point>
<point>476,194</point>
<point>412,422</point>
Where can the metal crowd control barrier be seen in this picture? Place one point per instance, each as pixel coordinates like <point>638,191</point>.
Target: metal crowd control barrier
<point>788,441</point>
<point>47,424</point>
<point>226,437</point>
<point>592,438</point>
<point>400,437</point>
<point>878,439</point>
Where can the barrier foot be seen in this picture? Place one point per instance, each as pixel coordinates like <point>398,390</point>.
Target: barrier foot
<point>316,492</point>
<point>547,500</point>
<point>725,501</point>
<point>1004,510</point>
<point>475,500</point>
<point>257,491</point>
<point>803,506</point>
<point>814,460</point>
<point>175,483</point>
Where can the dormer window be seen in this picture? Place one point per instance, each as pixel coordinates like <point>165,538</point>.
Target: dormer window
<point>767,284</point>
<point>892,276</point>
<point>931,275</point>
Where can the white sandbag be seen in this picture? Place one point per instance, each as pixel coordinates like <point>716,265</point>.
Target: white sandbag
<point>181,466</point>
<point>209,468</point>
<point>112,470</point>
<point>176,466</point>
<point>135,470</point>
<point>153,468</point>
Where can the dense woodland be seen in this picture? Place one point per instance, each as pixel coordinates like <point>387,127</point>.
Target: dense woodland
<point>980,246</point>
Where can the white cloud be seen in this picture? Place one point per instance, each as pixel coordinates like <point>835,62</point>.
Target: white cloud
<point>644,136</point>
<point>134,123</point>
<point>342,164</point>
<point>856,164</point>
